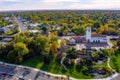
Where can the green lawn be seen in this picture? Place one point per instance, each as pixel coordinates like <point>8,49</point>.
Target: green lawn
<point>114,42</point>
<point>103,64</point>
<point>54,67</point>
<point>115,61</point>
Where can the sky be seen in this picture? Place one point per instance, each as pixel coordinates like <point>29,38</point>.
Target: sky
<point>59,4</point>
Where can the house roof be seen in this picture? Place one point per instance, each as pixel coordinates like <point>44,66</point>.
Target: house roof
<point>78,38</point>
<point>97,35</point>
<point>82,38</point>
<point>2,29</point>
<point>36,24</point>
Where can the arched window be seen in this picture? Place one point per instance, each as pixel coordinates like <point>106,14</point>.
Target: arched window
<point>88,40</point>
<point>98,41</point>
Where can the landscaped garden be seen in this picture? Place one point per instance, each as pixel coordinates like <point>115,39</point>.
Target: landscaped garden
<point>54,67</point>
<point>84,69</point>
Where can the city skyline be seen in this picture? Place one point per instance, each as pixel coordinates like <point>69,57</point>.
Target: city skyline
<point>59,5</point>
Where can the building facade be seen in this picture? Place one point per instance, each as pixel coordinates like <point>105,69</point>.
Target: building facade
<point>89,38</point>
<point>95,38</point>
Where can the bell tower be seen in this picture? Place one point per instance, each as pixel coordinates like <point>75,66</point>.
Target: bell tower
<point>88,34</point>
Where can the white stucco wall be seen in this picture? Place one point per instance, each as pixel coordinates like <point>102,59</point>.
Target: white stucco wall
<point>88,34</point>
<point>101,39</point>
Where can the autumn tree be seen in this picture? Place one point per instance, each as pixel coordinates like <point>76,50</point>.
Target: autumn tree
<point>53,43</point>
<point>62,43</point>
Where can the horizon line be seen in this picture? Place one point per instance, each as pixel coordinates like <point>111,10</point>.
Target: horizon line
<point>61,10</point>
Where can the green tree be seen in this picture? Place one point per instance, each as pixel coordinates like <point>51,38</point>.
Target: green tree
<point>95,55</point>
<point>118,44</point>
<point>19,38</point>
<point>40,43</point>
<point>16,55</point>
<point>79,30</point>
<point>96,24</point>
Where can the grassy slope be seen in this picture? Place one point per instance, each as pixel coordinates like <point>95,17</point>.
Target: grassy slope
<point>115,61</point>
<point>53,67</point>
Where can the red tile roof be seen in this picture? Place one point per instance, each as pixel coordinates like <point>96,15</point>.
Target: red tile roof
<point>97,35</point>
<point>78,38</point>
<point>82,38</point>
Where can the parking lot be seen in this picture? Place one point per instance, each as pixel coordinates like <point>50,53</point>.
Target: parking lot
<point>8,72</point>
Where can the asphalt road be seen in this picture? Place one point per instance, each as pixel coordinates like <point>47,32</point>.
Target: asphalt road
<point>20,24</point>
<point>116,78</point>
<point>22,72</point>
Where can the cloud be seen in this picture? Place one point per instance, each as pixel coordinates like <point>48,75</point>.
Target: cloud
<point>12,0</point>
<point>59,4</point>
<point>97,4</point>
<point>9,0</point>
<point>61,0</point>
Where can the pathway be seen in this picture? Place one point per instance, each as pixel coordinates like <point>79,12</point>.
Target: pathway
<point>62,63</point>
<point>108,63</point>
